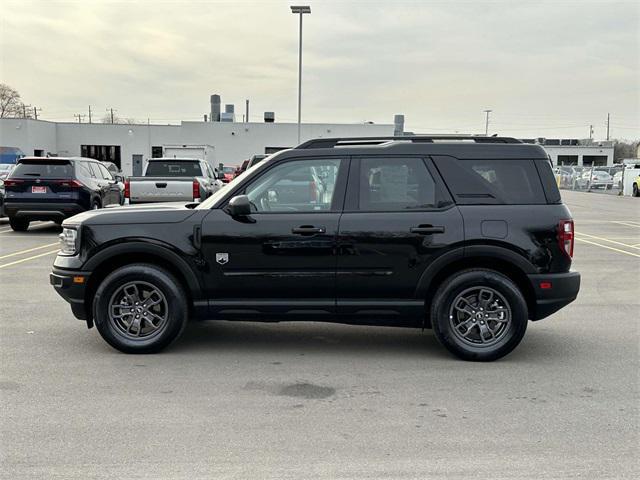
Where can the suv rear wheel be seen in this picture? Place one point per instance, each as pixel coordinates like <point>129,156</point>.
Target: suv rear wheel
<point>140,308</point>
<point>479,315</point>
<point>18,224</point>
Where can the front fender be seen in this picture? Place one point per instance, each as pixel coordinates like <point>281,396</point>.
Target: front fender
<point>142,247</point>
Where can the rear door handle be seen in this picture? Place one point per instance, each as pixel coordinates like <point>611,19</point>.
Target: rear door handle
<point>426,229</point>
<point>161,185</point>
<point>307,230</point>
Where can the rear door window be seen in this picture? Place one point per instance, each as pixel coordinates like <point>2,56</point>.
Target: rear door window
<point>43,169</point>
<point>482,181</point>
<point>172,168</point>
<point>396,184</point>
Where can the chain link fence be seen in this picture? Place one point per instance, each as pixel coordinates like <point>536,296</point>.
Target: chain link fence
<point>593,179</point>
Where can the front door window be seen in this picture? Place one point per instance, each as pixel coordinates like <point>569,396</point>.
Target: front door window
<point>296,186</point>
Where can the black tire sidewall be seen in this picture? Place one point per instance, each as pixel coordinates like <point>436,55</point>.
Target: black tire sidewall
<point>176,304</point>
<point>18,224</point>
<point>453,286</point>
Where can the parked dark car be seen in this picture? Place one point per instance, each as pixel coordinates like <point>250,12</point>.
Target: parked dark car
<point>42,188</point>
<point>465,235</point>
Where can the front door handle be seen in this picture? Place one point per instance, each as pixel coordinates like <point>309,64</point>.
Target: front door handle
<point>307,230</point>
<point>426,229</point>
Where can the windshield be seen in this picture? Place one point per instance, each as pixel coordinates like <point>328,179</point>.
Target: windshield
<point>173,168</point>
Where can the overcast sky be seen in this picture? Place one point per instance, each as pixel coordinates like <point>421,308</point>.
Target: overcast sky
<point>544,68</point>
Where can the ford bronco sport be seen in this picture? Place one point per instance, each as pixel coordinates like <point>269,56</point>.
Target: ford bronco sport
<point>465,235</point>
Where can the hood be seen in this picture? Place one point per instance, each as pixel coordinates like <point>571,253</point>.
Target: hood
<point>170,212</point>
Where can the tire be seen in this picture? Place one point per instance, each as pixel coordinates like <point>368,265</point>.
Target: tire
<point>18,224</point>
<point>508,301</point>
<point>95,205</point>
<point>636,192</point>
<point>114,300</point>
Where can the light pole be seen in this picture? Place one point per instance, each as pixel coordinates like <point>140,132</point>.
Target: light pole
<point>300,9</point>
<point>486,123</point>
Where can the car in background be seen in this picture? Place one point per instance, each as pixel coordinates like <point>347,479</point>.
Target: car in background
<point>229,173</point>
<point>593,179</point>
<point>113,168</point>
<point>636,186</point>
<point>1,198</point>
<point>617,179</point>
<point>600,179</point>
<point>173,180</point>
<point>5,169</point>
<point>256,159</point>
<point>56,188</point>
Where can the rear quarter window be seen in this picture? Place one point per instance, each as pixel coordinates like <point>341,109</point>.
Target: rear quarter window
<point>482,181</point>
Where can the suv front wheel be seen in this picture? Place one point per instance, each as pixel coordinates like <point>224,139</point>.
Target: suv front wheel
<point>479,315</point>
<point>140,308</point>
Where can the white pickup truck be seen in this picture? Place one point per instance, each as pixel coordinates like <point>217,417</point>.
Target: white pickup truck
<point>173,180</point>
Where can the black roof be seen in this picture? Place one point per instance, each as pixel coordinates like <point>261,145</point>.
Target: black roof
<point>460,146</point>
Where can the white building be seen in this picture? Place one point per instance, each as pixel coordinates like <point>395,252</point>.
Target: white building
<point>128,144</point>
<point>232,142</point>
<point>576,152</point>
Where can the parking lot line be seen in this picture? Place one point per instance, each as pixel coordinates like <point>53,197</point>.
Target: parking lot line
<point>603,246</point>
<point>607,240</point>
<point>28,250</point>
<point>37,256</point>
<point>627,223</point>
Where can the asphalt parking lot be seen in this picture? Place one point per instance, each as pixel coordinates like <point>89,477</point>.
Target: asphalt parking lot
<point>307,400</point>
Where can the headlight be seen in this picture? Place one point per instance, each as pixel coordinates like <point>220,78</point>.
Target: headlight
<point>68,239</point>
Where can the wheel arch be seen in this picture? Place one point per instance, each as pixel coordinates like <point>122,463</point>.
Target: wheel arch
<point>497,259</point>
<point>116,256</point>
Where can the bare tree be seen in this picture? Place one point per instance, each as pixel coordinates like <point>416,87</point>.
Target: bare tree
<point>11,105</point>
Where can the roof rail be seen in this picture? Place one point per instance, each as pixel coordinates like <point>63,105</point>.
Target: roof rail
<point>364,141</point>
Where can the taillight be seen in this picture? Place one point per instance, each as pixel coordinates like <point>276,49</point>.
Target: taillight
<point>196,190</point>
<point>566,236</point>
<point>70,183</point>
<point>127,189</point>
<point>12,183</point>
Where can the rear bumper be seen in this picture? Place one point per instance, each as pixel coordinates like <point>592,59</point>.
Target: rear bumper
<point>68,285</point>
<point>553,291</point>
<point>42,211</point>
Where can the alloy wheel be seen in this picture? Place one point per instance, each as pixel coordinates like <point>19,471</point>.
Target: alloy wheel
<point>480,316</point>
<point>138,310</point>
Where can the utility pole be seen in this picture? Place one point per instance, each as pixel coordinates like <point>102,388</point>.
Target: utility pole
<point>486,123</point>
<point>590,132</point>
<point>89,113</point>
<point>300,10</point>
<point>79,116</point>
<point>246,115</point>
<point>24,111</point>
<point>111,111</point>
<point>608,120</point>
<point>35,112</point>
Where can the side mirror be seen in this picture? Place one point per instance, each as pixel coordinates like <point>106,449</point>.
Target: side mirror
<point>119,178</point>
<point>220,176</point>
<point>239,206</point>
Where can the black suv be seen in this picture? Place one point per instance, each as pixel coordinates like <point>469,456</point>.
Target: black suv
<point>54,188</point>
<point>465,235</point>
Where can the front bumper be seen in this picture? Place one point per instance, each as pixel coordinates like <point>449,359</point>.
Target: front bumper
<point>72,285</point>
<point>553,291</point>
<point>42,211</point>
